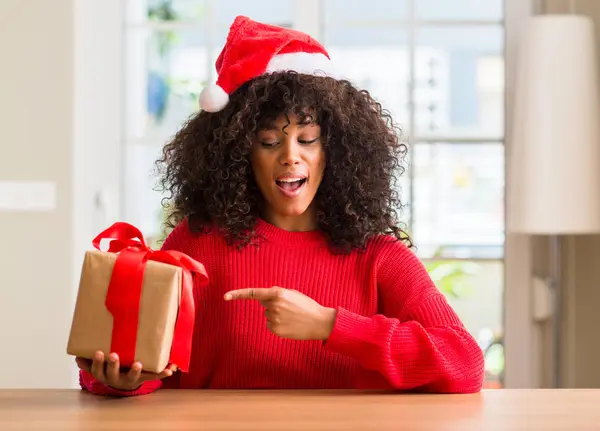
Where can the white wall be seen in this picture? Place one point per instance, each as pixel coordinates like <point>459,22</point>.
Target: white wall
<point>59,87</point>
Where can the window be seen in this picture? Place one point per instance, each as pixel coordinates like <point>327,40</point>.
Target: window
<point>171,48</point>
<point>438,66</point>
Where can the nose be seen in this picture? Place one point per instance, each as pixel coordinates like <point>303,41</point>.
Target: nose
<point>290,152</point>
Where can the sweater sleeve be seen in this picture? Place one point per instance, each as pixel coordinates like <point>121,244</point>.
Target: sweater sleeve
<point>90,384</point>
<point>174,241</point>
<point>417,342</point>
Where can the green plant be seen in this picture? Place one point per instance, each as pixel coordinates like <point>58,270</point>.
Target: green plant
<point>452,277</point>
<point>164,11</point>
<point>187,90</point>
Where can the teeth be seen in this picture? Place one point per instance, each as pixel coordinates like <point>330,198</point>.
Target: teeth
<point>290,180</point>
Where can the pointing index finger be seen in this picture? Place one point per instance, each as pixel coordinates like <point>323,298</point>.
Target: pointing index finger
<point>261,294</point>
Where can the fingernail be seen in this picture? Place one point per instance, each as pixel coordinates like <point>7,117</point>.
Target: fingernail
<point>227,297</point>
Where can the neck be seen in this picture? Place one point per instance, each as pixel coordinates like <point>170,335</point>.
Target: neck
<point>300,223</point>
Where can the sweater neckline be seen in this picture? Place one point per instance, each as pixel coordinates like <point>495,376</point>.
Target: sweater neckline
<point>275,234</point>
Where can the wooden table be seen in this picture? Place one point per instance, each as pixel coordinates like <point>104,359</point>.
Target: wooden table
<point>506,410</point>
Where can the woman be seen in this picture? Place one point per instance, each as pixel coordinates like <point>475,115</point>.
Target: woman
<point>283,187</point>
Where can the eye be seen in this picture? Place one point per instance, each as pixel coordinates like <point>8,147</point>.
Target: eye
<point>312,141</point>
<point>268,144</point>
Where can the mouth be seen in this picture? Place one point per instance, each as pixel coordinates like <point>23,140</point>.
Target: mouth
<point>291,186</point>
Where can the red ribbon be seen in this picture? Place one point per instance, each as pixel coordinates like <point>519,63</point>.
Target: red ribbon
<point>125,291</point>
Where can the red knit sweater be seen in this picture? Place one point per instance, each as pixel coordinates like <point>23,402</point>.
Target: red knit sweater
<point>393,330</point>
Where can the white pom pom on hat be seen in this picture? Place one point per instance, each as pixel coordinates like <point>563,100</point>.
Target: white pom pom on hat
<point>252,49</point>
<point>213,98</point>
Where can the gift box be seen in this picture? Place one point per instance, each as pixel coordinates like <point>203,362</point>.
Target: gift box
<point>136,302</point>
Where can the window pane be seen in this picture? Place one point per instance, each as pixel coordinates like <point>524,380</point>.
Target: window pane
<point>165,73</point>
<point>404,194</point>
<point>459,82</point>
<point>279,12</point>
<point>219,13</point>
<point>460,10</point>
<point>142,202</point>
<point>458,200</point>
<point>475,291</point>
<point>374,59</point>
<point>352,11</point>
<point>166,10</point>
<point>360,36</point>
<point>173,10</point>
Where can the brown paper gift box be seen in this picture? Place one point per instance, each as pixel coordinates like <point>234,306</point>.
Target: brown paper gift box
<point>92,324</point>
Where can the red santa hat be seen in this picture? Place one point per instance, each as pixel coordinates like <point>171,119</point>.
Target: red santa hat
<point>254,48</point>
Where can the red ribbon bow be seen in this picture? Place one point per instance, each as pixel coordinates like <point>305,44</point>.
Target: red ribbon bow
<point>125,291</point>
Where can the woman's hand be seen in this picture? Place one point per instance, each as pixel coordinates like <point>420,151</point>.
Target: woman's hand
<point>289,313</point>
<point>109,372</point>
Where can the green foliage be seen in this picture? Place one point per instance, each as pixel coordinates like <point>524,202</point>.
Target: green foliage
<point>494,359</point>
<point>453,277</point>
<point>164,12</point>
<point>187,89</point>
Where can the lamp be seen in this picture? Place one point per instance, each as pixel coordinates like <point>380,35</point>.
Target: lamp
<point>554,160</point>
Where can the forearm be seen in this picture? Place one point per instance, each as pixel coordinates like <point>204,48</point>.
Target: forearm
<point>423,353</point>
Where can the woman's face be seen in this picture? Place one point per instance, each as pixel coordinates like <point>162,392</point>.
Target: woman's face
<point>288,161</point>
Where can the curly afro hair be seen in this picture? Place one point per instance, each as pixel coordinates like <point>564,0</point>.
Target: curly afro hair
<point>207,172</point>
